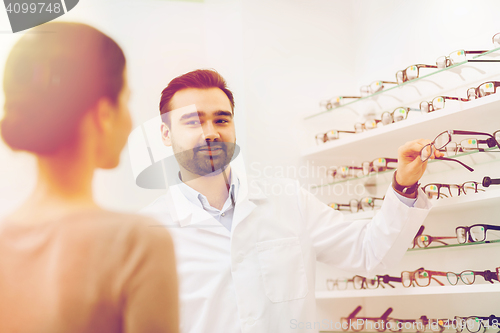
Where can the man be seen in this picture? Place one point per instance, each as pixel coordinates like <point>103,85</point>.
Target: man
<point>246,256</point>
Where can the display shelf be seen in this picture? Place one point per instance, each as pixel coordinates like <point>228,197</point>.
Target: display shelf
<point>443,79</point>
<point>477,115</point>
<point>476,200</point>
<point>451,246</point>
<point>434,167</point>
<point>434,290</point>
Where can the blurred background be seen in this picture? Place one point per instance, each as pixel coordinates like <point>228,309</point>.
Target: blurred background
<point>280,59</point>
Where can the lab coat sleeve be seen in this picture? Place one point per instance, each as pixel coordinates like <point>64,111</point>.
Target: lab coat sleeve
<point>364,246</point>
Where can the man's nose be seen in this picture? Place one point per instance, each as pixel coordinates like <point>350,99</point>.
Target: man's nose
<point>210,132</point>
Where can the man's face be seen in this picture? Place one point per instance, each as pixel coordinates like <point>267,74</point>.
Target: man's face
<point>203,139</point>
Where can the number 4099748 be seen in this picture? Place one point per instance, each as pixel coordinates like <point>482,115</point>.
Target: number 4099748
<point>34,8</point>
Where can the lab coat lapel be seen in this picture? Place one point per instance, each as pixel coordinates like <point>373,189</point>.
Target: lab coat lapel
<point>188,215</point>
<point>244,202</point>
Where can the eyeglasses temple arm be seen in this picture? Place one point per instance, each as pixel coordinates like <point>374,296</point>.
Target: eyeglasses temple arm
<point>474,52</point>
<point>451,159</point>
<point>386,313</point>
<point>456,98</point>
<point>355,312</point>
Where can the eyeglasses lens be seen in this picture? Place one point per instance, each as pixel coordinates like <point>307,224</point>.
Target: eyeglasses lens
<point>478,233</point>
<point>344,324</point>
<point>370,124</point>
<point>438,103</point>
<point>342,283</point>
<point>467,277</point>
<point>367,203</point>
<point>412,72</point>
<point>386,118</point>
<point>372,283</point>
<point>469,144</point>
<point>392,324</point>
<point>486,89</point>
<point>354,206</point>
<point>358,282</point>
<point>376,86</point>
<point>496,39</point>
<point>474,324</point>
<point>457,56</point>
<point>400,77</point>
<point>400,114</point>
<point>366,168</point>
<point>442,140</point>
<point>442,62</point>
<point>423,241</point>
<point>426,152</point>
<point>461,235</point>
<point>332,135</point>
<point>425,107</point>
<point>452,278</point>
<point>432,191</point>
<point>419,325</point>
<point>469,187</point>
<point>422,278</point>
<point>334,206</point>
<point>380,164</point>
<point>406,279</point>
<point>365,91</point>
<point>451,149</point>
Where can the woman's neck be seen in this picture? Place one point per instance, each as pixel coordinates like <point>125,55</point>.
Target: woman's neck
<point>64,186</point>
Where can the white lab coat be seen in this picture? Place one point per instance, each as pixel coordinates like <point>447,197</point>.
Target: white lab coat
<point>260,276</point>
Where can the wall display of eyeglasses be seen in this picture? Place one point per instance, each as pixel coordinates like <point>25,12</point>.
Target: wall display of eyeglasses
<point>354,143</point>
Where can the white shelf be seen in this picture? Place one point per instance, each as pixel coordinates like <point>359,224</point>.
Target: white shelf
<point>438,290</point>
<point>490,197</point>
<point>428,85</point>
<point>477,115</point>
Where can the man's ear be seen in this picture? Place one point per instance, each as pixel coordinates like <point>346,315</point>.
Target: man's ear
<point>165,135</point>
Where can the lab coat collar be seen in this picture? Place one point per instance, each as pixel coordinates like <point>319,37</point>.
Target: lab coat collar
<point>187,214</point>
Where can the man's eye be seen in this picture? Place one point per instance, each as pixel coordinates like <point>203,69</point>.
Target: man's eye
<point>193,122</point>
<point>222,121</point>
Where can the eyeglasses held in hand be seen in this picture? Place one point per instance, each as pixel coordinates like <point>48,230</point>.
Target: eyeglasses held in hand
<point>469,277</point>
<point>335,102</point>
<point>438,103</point>
<point>411,72</point>
<point>454,58</point>
<point>487,181</point>
<point>329,136</point>
<point>374,87</point>
<point>359,323</point>
<point>474,324</point>
<point>421,277</point>
<point>378,165</point>
<point>474,233</point>
<point>444,138</point>
<point>437,191</point>
<point>354,206</point>
<point>484,89</point>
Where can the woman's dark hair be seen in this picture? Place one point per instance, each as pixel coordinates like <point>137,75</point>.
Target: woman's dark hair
<point>201,79</point>
<point>53,75</point>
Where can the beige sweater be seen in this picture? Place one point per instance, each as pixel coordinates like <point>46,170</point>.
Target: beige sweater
<point>90,272</point>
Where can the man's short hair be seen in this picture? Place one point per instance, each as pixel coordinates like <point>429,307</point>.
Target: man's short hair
<point>200,79</point>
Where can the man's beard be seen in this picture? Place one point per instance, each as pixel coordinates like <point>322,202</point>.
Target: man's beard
<point>201,164</point>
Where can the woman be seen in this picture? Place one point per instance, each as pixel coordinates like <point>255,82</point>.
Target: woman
<point>67,265</point>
